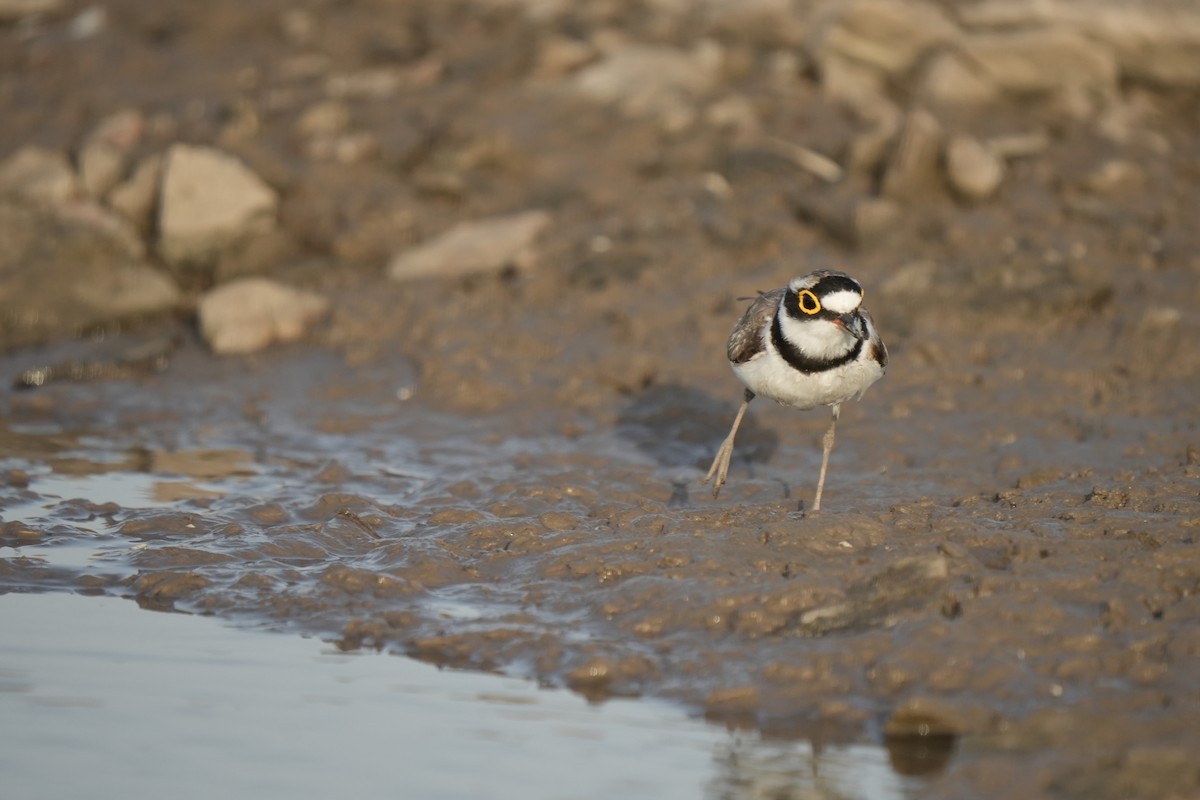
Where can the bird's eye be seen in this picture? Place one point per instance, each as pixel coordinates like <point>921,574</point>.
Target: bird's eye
<point>808,302</point>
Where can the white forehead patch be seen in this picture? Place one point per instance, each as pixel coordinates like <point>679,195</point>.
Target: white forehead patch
<point>842,301</point>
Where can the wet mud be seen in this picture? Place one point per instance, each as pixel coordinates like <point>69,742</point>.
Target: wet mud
<point>501,472</point>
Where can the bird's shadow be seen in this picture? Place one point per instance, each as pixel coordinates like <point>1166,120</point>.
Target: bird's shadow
<point>679,426</point>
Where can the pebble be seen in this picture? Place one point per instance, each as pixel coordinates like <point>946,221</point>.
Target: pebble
<point>39,174</point>
<point>950,79</point>
<point>908,583</point>
<point>647,80</point>
<point>1043,60</point>
<point>1115,177</point>
<point>209,200</point>
<point>974,171</point>
<point>248,314</point>
<point>105,152</point>
<point>888,35</point>
<point>470,248</point>
<point>1158,43</point>
<point>11,10</point>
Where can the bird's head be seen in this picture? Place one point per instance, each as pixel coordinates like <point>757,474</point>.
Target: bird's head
<point>829,296</point>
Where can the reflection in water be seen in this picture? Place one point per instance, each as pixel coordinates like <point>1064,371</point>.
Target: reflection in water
<point>102,700</point>
<point>749,768</point>
<point>921,755</point>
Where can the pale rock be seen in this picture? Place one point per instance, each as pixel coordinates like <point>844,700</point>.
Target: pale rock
<point>869,149</point>
<point>325,118</point>
<point>209,201</point>
<point>100,168</point>
<point>734,113</point>
<point>1115,177</point>
<point>36,173</point>
<point>469,248</point>
<point>847,81</point>
<point>89,22</point>
<point>11,10</point>
<point>136,197</point>
<point>105,153</point>
<point>70,269</point>
<point>1044,60</point>
<point>560,55</point>
<point>646,80</point>
<point>950,79</point>
<point>379,83</point>
<point>974,171</point>
<point>887,35</point>
<point>299,26</point>
<point>91,214</point>
<point>1157,42</point>
<point>249,314</point>
<point>757,20</point>
<point>538,10</point>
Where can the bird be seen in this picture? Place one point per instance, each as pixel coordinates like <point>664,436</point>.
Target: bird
<point>808,344</point>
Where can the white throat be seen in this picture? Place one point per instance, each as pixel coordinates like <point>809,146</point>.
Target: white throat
<point>816,338</point>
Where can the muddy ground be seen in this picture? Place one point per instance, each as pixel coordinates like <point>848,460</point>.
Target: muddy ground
<point>501,471</point>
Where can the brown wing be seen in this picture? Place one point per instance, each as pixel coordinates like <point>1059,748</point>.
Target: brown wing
<point>746,341</point>
<point>878,349</point>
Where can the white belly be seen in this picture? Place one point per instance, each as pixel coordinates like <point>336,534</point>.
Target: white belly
<point>768,375</point>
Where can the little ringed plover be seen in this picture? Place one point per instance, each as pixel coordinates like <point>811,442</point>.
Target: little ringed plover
<point>808,344</point>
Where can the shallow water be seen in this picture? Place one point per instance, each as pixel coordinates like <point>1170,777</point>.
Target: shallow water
<point>103,700</point>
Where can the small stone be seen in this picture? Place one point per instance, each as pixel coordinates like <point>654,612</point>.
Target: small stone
<point>648,80</point>
<point>11,10</point>
<point>560,55</point>
<point>974,171</point>
<point>907,585</point>
<point>100,168</point>
<point>1115,177</point>
<point>845,80</point>
<point>888,35</point>
<point>1154,42</point>
<point>1043,60</point>
<point>734,113</point>
<point>470,248</point>
<point>36,173</point>
<point>558,521</point>
<point>72,269</point>
<point>327,117</point>
<point>950,79</point>
<point>249,314</point>
<point>209,200</point>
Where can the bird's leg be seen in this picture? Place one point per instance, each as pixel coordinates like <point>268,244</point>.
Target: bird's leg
<point>828,442</point>
<point>720,465</point>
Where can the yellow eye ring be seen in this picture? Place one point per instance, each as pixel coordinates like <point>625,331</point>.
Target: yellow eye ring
<point>808,302</point>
